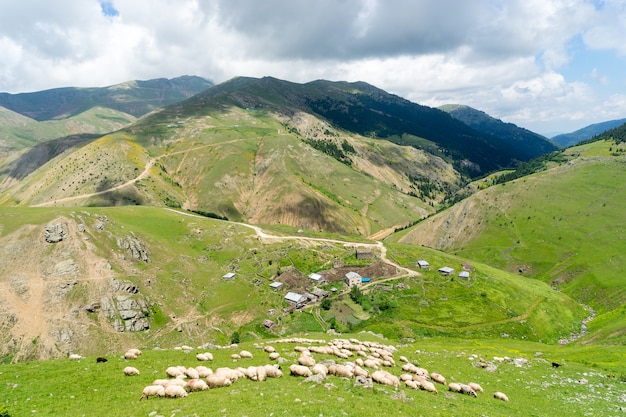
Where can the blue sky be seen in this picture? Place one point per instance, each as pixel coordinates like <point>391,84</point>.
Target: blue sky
<point>551,66</point>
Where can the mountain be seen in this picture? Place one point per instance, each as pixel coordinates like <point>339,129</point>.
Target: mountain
<point>371,112</point>
<point>135,98</point>
<point>586,133</point>
<point>562,226</point>
<point>528,144</point>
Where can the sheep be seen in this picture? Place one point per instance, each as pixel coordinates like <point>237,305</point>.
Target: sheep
<point>130,355</point>
<point>386,378</point>
<point>176,381</point>
<point>173,371</point>
<point>273,371</point>
<point>274,355</point>
<point>466,389</point>
<point>269,349</point>
<point>192,373</point>
<point>341,371</point>
<point>500,396</point>
<point>404,359</point>
<point>75,357</point>
<point>101,360</point>
<point>454,387</point>
<point>371,363</point>
<point>130,371</point>
<point>476,387</point>
<point>358,371</point>
<point>152,391</point>
<point>300,370</point>
<point>217,381</point>
<point>231,374</point>
<point>406,377</point>
<point>306,360</point>
<point>235,356</point>
<point>320,369</point>
<point>136,351</point>
<point>409,367</point>
<point>203,371</point>
<point>438,378</point>
<point>428,386</point>
<point>161,382</point>
<point>202,357</point>
<point>175,391</point>
<point>412,384</point>
<point>245,354</point>
<point>197,385</point>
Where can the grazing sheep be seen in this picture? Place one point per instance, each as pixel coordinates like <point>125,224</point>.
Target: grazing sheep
<point>500,396</point>
<point>175,391</point>
<point>130,355</point>
<point>231,374</point>
<point>386,378</point>
<point>466,389</point>
<point>306,360</point>
<point>358,371</point>
<point>412,384</point>
<point>161,382</point>
<point>152,391</point>
<point>300,370</point>
<point>235,356</point>
<point>428,386</point>
<point>273,371</point>
<point>269,349</point>
<point>101,360</point>
<point>371,363</point>
<point>340,371</point>
<point>176,381</point>
<point>319,369</point>
<point>197,385</point>
<point>203,371</point>
<point>404,359</point>
<point>406,377</point>
<point>217,381</point>
<point>454,387</point>
<point>192,373</point>
<point>476,387</point>
<point>409,367</point>
<point>130,371</point>
<point>202,357</point>
<point>75,357</point>
<point>274,356</point>
<point>438,378</point>
<point>136,351</point>
<point>173,371</point>
<point>245,354</point>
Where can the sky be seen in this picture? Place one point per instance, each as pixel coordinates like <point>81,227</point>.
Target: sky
<point>551,66</point>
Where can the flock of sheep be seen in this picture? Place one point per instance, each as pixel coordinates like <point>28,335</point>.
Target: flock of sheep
<point>364,361</point>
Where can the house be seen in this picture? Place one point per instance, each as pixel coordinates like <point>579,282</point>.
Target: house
<point>464,275</point>
<point>276,285</point>
<point>320,293</point>
<point>229,276</point>
<point>423,264</point>
<point>310,297</point>
<point>446,270</point>
<point>295,298</point>
<point>352,278</point>
<point>269,324</point>
<point>317,278</point>
<point>364,254</point>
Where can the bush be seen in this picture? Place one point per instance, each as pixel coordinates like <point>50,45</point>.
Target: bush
<point>4,411</point>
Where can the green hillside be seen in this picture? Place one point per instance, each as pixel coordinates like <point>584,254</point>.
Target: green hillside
<point>562,226</point>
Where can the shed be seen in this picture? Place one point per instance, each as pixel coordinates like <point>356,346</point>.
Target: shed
<point>464,274</point>
<point>276,285</point>
<point>268,324</point>
<point>317,278</point>
<point>446,270</point>
<point>229,276</point>
<point>467,266</point>
<point>352,278</point>
<point>364,254</point>
<point>423,264</point>
<point>294,298</point>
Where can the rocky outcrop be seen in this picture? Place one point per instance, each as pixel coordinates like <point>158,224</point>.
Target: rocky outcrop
<point>129,311</point>
<point>135,248</point>
<point>56,232</point>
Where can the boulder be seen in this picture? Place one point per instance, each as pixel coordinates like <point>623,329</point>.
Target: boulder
<point>55,232</point>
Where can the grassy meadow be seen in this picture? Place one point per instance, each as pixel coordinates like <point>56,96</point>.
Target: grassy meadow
<point>534,387</point>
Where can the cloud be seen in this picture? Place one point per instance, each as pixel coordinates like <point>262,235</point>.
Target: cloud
<point>506,57</point>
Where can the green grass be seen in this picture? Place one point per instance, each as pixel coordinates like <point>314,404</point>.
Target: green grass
<point>88,388</point>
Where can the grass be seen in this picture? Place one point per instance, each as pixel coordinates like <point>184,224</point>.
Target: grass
<point>535,389</point>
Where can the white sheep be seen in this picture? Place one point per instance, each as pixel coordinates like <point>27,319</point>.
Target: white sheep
<point>341,371</point>
<point>300,370</point>
<point>231,374</point>
<point>130,371</point>
<point>438,378</point>
<point>173,371</point>
<point>466,389</point>
<point>273,371</point>
<point>136,351</point>
<point>306,360</point>
<point>75,357</point>
<point>245,354</point>
<point>202,357</point>
<point>235,356</point>
<point>274,356</point>
<point>218,380</point>
<point>203,371</point>
<point>192,373</point>
<point>454,387</point>
<point>161,382</point>
<point>320,369</point>
<point>386,378</point>
<point>358,371</point>
<point>176,381</point>
<point>152,391</point>
<point>428,386</point>
<point>197,385</point>
<point>175,391</point>
<point>500,396</point>
<point>476,387</point>
<point>269,349</point>
<point>403,359</point>
<point>412,384</point>
<point>130,355</point>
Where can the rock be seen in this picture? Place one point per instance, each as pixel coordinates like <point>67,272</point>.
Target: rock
<point>124,286</point>
<point>92,307</point>
<point>107,307</point>
<point>137,325</point>
<point>361,381</point>
<point>56,232</point>
<point>135,248</point>
<point>99,224</point>
<point>81,228</point>
<point>66,267</point>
